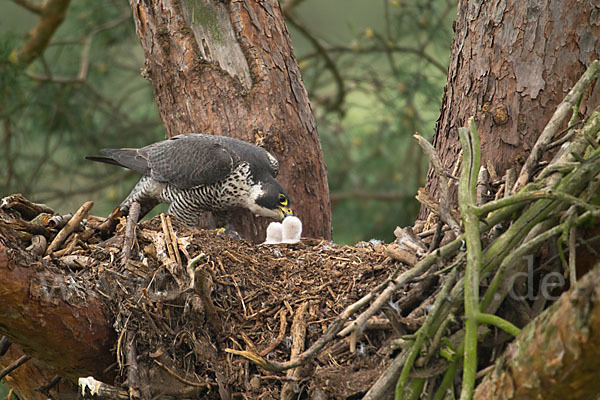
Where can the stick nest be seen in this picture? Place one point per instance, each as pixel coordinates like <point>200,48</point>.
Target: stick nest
<point>186,298</point>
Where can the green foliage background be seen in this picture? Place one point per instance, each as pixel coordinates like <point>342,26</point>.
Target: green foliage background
<point>375,72</point>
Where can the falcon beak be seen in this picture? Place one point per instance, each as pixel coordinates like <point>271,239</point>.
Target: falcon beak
<point>285,212</point>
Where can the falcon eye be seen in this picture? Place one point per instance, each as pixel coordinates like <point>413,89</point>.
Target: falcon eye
<point>282,199</point>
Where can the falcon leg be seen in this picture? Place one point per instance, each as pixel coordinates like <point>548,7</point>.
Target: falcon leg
<point>132,219</point>
<point>147,193</point>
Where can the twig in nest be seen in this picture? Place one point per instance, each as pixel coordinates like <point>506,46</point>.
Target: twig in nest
<point>290,390</point>
<point>509,181</point>
<point>420,268</point>
<point>173,241</point>
<point>437,237</point>
<point>572,255</point>
<point>489,166</point>
<point>109,225</point>
<point>26,208</point>
<point>239,293</point>
<point>552,127</point>
<point>179,378</point>
<point>425,198</point>
<point>469,140</point>
<point>77,261</point>
<point>45,389</point>
<point>280,336</point>
<point>132,219</point>
<point>191,267</point>
<point>202,287</point>
<point>381,387</point>
<point>31,227</point>
<point>70,247</point>
<point>407,237</point>
<point>311,352</point>
<point>91,387</point>
<point>482,187</point>
<point>38,245</point>
<point>16,364</point>
<point>443,185</point>
<point>416,294</point>
<point>170,239</point>
<point>431,231</point>
<point>134,378</point>
<point>59,221</point>
<point>565,138</point>
<point>4,345</point>
<point>119,346</point>
<point>69,227</point>
<point>399,254</point>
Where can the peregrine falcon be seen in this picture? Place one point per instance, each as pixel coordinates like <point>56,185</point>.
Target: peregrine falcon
<point>195,173</point>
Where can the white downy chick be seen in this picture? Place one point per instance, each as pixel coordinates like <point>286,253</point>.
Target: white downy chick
<point>274,233</point>
<point>292,229</point>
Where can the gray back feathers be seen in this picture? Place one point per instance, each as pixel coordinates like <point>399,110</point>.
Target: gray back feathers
<point>191,160</point>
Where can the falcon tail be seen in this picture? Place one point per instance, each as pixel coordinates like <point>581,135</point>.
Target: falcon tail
<point>126,158</point>
<point>105,160</point>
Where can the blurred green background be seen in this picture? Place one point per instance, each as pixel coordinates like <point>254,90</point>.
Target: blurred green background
<point>375,72</point>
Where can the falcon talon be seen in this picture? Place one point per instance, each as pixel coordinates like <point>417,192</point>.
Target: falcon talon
<point>195,173</point>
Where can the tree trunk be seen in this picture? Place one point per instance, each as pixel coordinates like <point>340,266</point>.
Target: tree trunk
<point>228,68</point>
<point>511,64</point>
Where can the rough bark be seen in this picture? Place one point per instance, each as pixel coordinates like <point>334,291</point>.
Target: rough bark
<point>50,318</point>
<point>511,64</point>
<point>557,356</point>
<point>228,68</point>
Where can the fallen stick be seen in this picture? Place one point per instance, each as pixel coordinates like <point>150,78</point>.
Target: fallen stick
<point>70,226</point>
<point>280,336</point>
<point>20,361</point>
<point>290,390</point>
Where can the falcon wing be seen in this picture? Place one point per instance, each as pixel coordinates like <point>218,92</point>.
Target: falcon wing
<point>186,161</point>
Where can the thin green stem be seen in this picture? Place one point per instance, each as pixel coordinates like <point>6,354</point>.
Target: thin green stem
<point>466,200</point>
<point>449,375</point>
<point>575,109</point>
<point>491,319</point>
<point>424,332</point>
<point>415,387</point>
<point>531,196</point>
<point>525,249</point>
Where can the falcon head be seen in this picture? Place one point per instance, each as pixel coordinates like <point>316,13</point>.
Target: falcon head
<point>269,199</point>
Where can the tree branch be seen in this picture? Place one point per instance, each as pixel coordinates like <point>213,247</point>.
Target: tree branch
<point>52,15</point>
<point>37,316</point>
<point>36,8</point>
<point>337,102</point>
